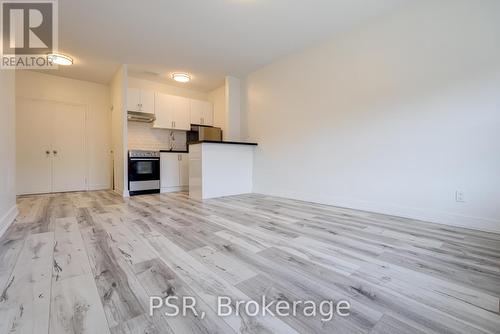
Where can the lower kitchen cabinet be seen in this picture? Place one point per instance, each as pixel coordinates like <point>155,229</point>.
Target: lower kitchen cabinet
<point>174,171</point>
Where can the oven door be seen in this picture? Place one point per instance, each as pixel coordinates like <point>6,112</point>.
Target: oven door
<point>143,176</point>
<point>143,169</point>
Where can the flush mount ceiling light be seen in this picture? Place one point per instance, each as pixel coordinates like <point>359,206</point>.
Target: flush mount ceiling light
<point>181,77</point>
<point>60,59</point>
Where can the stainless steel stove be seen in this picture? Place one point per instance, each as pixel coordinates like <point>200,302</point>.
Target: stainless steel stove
<point>143,154</point>
<point>143,172</point>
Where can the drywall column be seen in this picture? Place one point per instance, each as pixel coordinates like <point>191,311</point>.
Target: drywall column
<point>8,208</point>
<point>218,98</point>
<point>119,130</point>
<point>233,109</point>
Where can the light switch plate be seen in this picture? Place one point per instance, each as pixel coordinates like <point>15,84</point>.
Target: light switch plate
<point>459,196</point>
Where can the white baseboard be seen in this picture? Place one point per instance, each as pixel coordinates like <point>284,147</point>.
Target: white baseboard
<point>437,217</point>
<point>173,189</point>
<point>8,219</point>
<point>98,187</point>
<point>120,192</point>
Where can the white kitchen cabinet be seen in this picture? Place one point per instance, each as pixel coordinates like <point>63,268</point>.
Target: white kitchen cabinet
<point>202,112</point>
<point>181,114</point>
<point>140,100</point>
<point>147,101</point>
<point>169,170</point>
<point>184,169</point>
<point>217,169</point>
<point>133,99</point>
<point>164,111</point>
<point>174,171</point>
<point>172,112</point>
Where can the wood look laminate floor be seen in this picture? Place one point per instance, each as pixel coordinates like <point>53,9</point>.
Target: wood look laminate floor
<point>88,262</point>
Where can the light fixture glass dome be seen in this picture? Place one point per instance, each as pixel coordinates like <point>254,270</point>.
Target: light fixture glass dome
<point>181,77</point>
<point>60,59</point>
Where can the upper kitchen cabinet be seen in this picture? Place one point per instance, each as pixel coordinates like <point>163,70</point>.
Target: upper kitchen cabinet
<point>202,112</point>
<point>172,112</point>
<point>140,100</point>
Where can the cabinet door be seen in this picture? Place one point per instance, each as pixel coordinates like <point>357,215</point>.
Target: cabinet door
<point>169,170</point>
<point>207,116</point>
<point>201,112</point>
<point>184,169</point>
<point>133,99</point>
<point>181,114</point>
<point>196,111</point>
<point>147,103</point>
<point>164,111</point>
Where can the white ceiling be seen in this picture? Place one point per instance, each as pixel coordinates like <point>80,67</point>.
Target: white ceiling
<point>207,38</point>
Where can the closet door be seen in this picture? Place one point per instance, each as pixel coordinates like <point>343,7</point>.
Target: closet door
<point>68,147</point>
<point>33,149</point>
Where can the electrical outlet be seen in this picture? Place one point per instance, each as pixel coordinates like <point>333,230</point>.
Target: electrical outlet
<point>459,196</point>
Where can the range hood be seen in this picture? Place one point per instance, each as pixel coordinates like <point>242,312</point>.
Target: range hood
<point>136,116</point>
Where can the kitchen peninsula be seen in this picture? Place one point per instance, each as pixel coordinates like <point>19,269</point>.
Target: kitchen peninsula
<point>220,168</point>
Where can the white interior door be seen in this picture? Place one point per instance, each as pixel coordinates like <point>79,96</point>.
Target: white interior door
<point>68,147</point>
<point>33,147</point>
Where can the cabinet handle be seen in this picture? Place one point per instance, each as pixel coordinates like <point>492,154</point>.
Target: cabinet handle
<point>202,120</point>
<point>179,157</point>
<point>47,152</point>
<point>55,152</point>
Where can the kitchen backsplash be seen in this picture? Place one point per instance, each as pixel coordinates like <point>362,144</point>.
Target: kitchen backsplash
<point>142,136</point>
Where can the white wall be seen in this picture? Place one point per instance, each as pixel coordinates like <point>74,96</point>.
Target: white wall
<point>142,136</point>
<point>95,97</point>
<point>233,108</point>
<point>8,210</point>
<point>166,89</point>
<point>118,98</point>
<point>393,117</point>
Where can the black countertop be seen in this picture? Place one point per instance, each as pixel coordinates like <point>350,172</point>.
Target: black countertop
<point>174,151</point>
<point>223,142</point>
